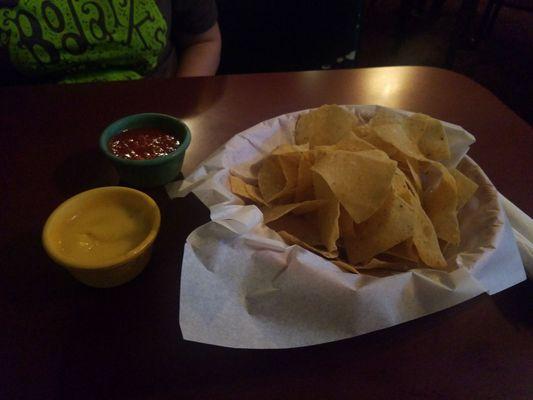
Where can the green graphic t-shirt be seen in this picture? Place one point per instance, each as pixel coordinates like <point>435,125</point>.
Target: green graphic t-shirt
<point>88,40</point>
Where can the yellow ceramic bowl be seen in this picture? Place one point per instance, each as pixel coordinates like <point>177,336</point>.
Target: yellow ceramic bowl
<point>104,236</point>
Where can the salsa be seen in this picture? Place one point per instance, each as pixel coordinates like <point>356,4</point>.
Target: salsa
<point>142,144</point>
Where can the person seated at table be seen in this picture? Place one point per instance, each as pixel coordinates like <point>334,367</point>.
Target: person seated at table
<point>103,40</point>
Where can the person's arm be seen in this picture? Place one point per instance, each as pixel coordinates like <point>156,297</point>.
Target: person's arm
<point>199,55</point>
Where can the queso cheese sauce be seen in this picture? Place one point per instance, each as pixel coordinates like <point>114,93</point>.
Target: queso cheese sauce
<point>142,144</point>
<point>102,233</point>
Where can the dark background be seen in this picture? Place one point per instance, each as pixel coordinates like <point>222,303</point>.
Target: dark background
<point>292,35</point>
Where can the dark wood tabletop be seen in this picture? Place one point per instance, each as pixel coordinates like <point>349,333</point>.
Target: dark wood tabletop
<point>62,340</point>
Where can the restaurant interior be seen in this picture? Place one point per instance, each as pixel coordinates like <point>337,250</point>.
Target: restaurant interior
<point>489,41</point>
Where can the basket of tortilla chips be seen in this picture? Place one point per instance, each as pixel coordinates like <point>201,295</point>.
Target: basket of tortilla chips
<point>313,209</point>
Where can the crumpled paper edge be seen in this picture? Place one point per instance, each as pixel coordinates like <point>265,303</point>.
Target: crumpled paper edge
<point>522,228</point>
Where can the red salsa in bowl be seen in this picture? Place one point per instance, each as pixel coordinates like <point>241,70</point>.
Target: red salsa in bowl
<point>142,144</point>
<point>148,149</point>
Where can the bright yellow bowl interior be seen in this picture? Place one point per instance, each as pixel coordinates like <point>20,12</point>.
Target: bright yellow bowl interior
<point>101,228</point>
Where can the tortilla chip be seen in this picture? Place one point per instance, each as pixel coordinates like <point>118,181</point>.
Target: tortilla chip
<point>328,214</point>
<point>290,148</point>
<point>405,250</point>
<point>304,182</point>
<point>304,127</point>
<point>364,132</point>
<point>385,116</point>
<point>415,125</point>
<point>426,241</point>
<point>465,187</point>
<point>275,212</point>
<point>291,239</point>
<point>277,176</point>
<point>352,142</point>
<point>346,225</point>
<point>414,169</point>
<point>304,227</point>
<point>289,165</point>
<point>386,263</point>
<point>271,179</point>
<point>346,229</point>
<point>440,203</point>
<point>379,272</point>
<point>324,126</point>
<point>401,187</point>
<point>328,223</point>
<point>390,225</point>
<point>433,143</point>
<point>398,137</point>
<point>245,190</point>
<point>345,266</point>
<point>360,181</point>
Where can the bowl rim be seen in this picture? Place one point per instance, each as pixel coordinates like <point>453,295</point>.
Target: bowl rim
<point>114,262</point>
<point>106,135</point>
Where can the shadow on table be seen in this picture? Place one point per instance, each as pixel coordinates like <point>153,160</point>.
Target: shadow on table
<point>515,304</point>
<point>29,278</point>
<point>84,170</point>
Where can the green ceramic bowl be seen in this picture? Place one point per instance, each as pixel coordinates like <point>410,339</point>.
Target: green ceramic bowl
<point>148,173</point>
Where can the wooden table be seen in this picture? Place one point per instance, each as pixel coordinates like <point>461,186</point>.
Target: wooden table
<point>60,339</point>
